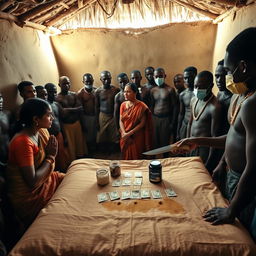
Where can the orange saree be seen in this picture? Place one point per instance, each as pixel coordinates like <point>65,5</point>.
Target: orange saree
<point>133,147</point>
<point>27,202</point>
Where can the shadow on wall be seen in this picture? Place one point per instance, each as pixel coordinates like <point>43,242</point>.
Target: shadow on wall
<point>57,59</point>
<point>10,92</point>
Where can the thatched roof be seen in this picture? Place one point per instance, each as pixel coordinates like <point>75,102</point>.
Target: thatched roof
<point>68,14</point>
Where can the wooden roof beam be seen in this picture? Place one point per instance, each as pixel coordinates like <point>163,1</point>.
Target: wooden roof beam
<point>4,5</point>
<point>38,9</point>
<point>195,9</point>
<point>61,15</point>
<point>46,15</point>
<point>231,2</point>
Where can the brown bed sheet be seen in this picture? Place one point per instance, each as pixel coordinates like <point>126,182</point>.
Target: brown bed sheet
<point>74,223</point>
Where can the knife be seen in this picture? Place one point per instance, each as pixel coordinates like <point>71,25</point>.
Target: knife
<point>165,149</point>
<point>159,150</point>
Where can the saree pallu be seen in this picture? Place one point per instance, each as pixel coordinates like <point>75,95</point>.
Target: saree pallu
<point>133,147</point>
<point>27,202</point>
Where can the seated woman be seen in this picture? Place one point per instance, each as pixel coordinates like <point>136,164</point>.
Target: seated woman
<point>31,179</point>
<point>135,125</point>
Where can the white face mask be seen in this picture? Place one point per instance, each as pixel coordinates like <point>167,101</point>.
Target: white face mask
<point>159,81</point>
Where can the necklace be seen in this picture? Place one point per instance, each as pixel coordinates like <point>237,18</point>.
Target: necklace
<point>202,109</point>
<point>236,108</point>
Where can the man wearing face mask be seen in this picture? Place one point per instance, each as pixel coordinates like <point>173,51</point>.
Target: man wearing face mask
<point>240,142</point>
<point>163,99</point>
<point>185,101</point>
<point>88,119</point>
<point>205,117</point>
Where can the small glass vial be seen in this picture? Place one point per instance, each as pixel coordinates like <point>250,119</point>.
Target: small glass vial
<point>155,171</point>
<point>115,169</point>
<point>102,177</point>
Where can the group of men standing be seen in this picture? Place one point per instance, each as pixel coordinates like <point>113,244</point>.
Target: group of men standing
<point>90,116</point>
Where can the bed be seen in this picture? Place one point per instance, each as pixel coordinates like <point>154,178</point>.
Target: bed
<point>75,223</point>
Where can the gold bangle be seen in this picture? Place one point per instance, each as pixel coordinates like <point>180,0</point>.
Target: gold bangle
<point>50,161</point>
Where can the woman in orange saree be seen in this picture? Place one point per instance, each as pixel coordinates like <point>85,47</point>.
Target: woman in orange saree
<point>31,179</point>
<point>135,125</point>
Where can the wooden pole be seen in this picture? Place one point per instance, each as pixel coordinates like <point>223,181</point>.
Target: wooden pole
<point>12,18</point>
<point>68,17</point>
<point>46,16</point>
<point>61,15</point>
<point>38,9</point>
<point>4,5</point>
<point>195,9</point>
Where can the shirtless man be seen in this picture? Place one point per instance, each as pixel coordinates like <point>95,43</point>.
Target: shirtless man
<point>240,142</point>
<point>149,74</point>
<point>178,82</point>
<point>41,92</point>
<point>5,124</point>
<point>224,95</point>
<point>163,100</point>
<point>27,90</point>
<point>88,119</point>
<point>143,92</point>
<point>105,96</point>
<point>56,128</point>
<point>71,123</point>
<point>205,120</point>
<point>122,80</point>
<point>185,100</point>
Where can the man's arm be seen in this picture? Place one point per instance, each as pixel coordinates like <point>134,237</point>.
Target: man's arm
<point>152,101</point>
<point>97,107</point>
<point>173,112</point>
<point>181,115</point>
<point>117,110</point>
<point>215,131</point>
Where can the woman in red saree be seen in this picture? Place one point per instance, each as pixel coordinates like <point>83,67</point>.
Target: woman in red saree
<point>135,125</point>
<point>31,179</point>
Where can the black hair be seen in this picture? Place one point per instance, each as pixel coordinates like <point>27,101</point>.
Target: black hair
<point>87,74</point>
<point>242,47</point>
<point>49,85</point>
<point>207,75</point>
<point>159,69</point>
<point>39,87</point>
<point>178,75</point>
<point>121,75</point>
<point>23,84</point>
<point>149,68</point>
<point>30,108</point>
<point>133,86</point>
<point>221,62</point>
<point>136,71</point>
<point>191,69</point>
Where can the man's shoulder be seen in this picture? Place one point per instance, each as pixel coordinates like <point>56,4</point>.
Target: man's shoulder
<point>183,93</point>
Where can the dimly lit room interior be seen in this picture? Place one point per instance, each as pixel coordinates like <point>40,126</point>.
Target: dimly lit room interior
<point>93,191</point>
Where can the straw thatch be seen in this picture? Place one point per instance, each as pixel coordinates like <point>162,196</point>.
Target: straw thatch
<point>70,14</point>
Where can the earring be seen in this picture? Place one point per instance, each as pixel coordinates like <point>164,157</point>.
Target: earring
<point>36,123</point>
<point>244,70</point>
